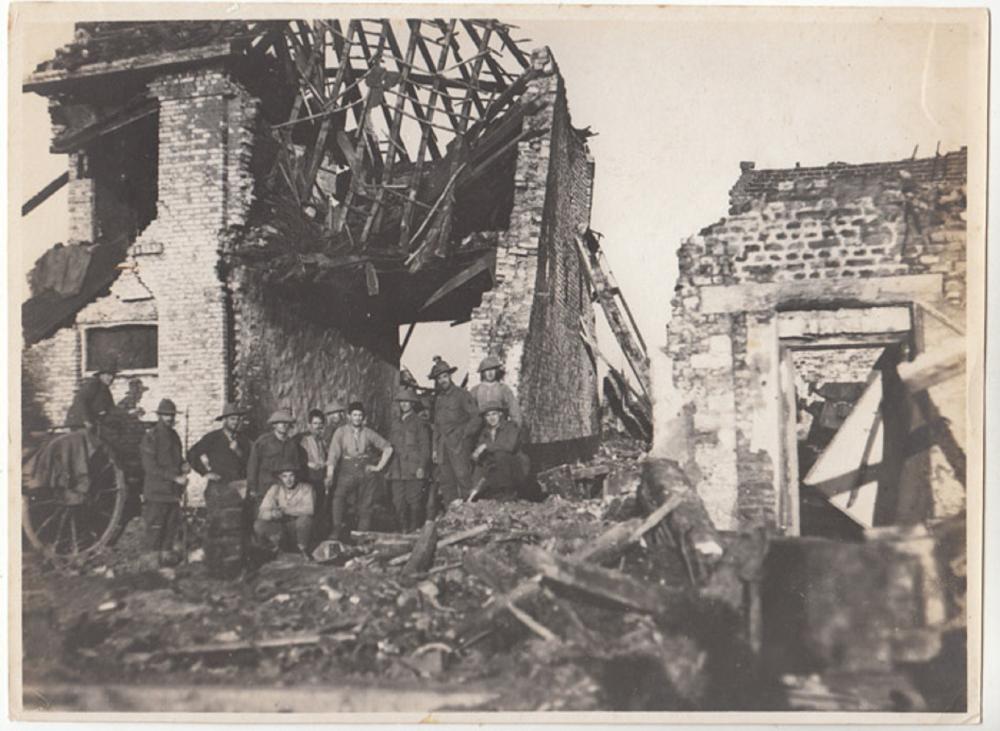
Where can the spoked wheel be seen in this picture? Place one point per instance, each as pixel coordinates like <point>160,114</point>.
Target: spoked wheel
<point>58,525</point>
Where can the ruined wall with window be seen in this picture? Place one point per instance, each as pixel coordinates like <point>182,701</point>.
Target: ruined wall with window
<point>807,258</point>
<point>228,281</point>
<point>169,275</point>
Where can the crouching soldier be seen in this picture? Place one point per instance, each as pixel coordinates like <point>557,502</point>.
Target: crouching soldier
<point>347,460</point>
<point>409,469</point>
<point>501,464</point>
<point>163,482</point>
<point>286,512</point>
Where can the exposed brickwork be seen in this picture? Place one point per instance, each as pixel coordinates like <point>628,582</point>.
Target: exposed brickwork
<point>829,224</point>
<point>81,197</point>
<point>222,336</point>
<point>205,127</point>
<point>531,318</point>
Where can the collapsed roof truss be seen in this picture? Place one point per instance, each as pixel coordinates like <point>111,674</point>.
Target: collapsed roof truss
<point>376,95</point>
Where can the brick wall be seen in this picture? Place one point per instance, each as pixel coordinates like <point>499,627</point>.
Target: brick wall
<point>206,127</point>
<point>804,225</point>
<point>531,317</point>
<point>290,353</point>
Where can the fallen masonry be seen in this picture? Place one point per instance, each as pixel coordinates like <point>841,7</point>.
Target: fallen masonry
<point>557,605</point>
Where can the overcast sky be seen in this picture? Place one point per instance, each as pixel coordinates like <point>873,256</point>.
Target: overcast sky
<point>678,99</point>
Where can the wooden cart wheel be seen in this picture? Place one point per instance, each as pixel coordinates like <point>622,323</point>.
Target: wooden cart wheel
<point>57,527</point>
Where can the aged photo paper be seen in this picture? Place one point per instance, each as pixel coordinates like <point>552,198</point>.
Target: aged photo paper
<point>496,363</point>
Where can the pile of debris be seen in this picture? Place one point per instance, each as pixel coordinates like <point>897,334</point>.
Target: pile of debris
<point>516,595</point>
<point>557,605</point>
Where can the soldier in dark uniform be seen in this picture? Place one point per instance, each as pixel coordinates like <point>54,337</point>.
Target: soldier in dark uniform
<point>409,469</point>
<point>163,482</point>
<point>456,424</point>
<point>222,455</point>
<point>92,400</point>
<point>269,453</point>
<point>501,465</point>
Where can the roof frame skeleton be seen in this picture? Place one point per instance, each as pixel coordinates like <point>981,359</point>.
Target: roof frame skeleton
<point>405,102</point>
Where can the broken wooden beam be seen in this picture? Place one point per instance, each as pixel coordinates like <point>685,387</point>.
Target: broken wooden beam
<point>614,586</point>
<point>606,549</point>
<point>531,623</point>
<point>933,367</point>
<point>688,525</point>
<point>447,541</point>
<point>43,195</point>
<point>421,558</point>
<point>266,643</point>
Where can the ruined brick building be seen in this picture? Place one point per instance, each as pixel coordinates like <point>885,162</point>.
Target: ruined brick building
<point>256,208</point>
<point>817,279</point>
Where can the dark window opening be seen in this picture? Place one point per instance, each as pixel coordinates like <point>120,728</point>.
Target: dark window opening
<point>127,347</point>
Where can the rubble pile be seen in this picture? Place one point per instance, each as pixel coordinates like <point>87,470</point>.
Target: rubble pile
<point>476,613</point>
<point>563,604</point>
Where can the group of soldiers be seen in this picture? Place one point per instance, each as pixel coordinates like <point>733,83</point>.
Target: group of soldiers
<point>300,489</point>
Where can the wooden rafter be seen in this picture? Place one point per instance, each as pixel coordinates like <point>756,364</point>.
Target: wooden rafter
<point>315,156</point>
<point>424,97</point>
<point>498,73</point>
<point>396,120</point>
<point>464,72</point>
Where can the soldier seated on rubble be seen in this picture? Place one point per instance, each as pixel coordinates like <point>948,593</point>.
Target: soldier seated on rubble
<point>286,512</point>
<point>501,464</point>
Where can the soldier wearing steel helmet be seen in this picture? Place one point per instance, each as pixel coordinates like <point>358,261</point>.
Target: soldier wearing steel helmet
<point>491,389</point>
<point>410,466</point>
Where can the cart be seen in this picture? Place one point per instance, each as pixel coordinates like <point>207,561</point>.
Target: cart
<point>59,519</point>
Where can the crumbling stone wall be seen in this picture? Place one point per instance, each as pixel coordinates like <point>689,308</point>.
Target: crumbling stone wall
<point>532,317</point>
<point>792,239</point>
<point>291,353</point>
<point>206,124</point>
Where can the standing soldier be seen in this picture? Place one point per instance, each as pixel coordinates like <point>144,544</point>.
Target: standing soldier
<point>491,389</point>
<point>269,453</point>
<point>221,455</point>
<point>163,483</point>
<point>456,424</point>
<point>409,470</point>
<point>315,446</point>
<point>347,458</point>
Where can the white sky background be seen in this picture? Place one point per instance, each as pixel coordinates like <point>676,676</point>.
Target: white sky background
<point>677,104</point>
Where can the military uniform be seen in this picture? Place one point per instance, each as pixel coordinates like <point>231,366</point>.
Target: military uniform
<point>227,454</point>
<point>286,512</point>
<point>409,469</point>
<point>162,460</point>
<point>456,423</point>
<point>91,401</point>
<point>502,463</point>
<point>267,455</point>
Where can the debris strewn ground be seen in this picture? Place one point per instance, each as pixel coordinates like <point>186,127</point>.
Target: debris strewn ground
<point>363,617</point>
<point>564,604</point>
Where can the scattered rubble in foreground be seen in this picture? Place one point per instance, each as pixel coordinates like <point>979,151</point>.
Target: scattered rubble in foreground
<point>624,601</point>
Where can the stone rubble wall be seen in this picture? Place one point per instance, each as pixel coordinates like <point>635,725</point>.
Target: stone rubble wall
<point>288,354</point>
<point>822,225</point>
